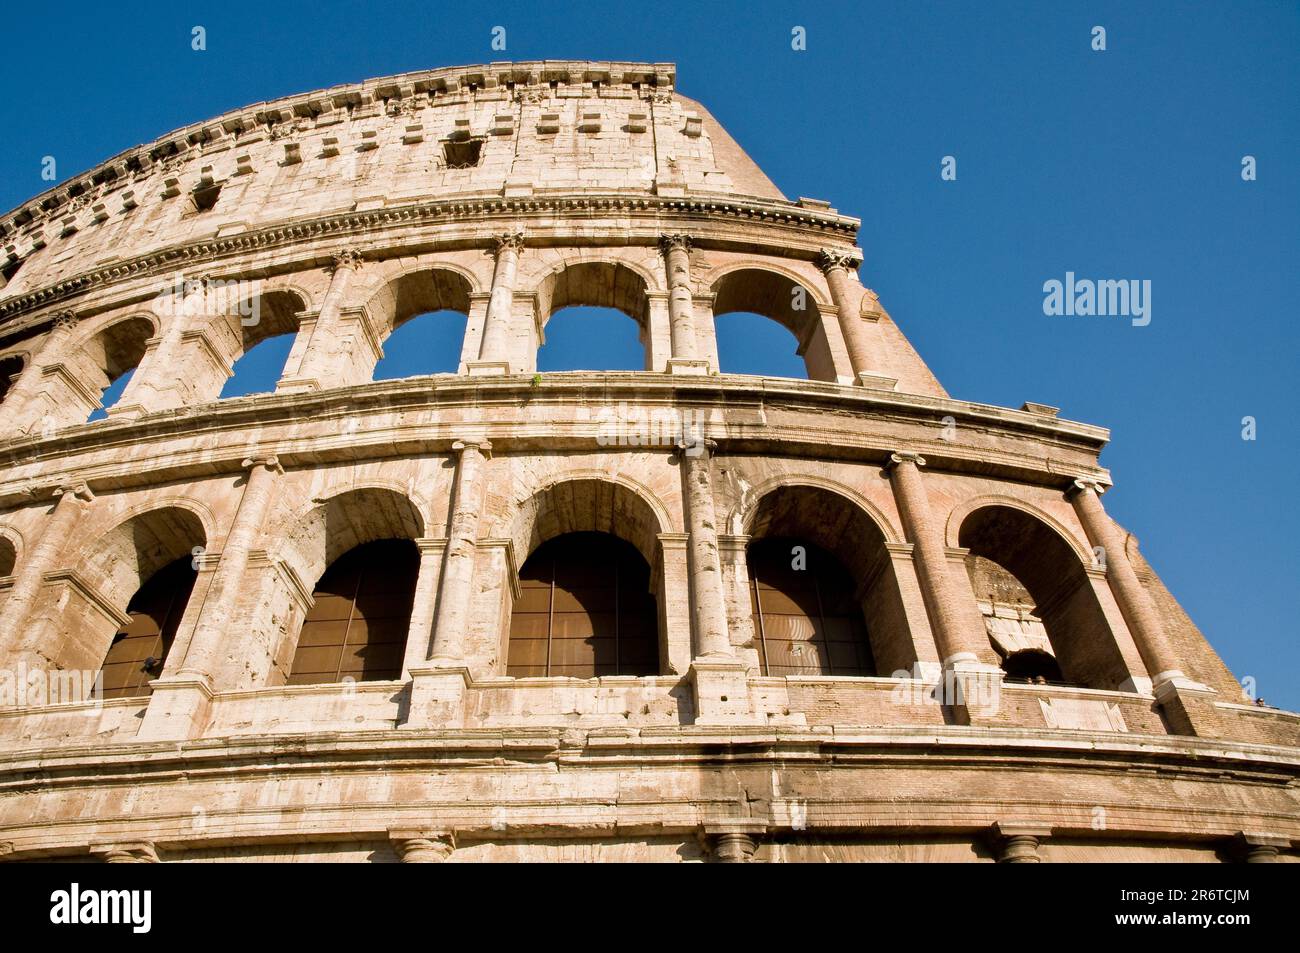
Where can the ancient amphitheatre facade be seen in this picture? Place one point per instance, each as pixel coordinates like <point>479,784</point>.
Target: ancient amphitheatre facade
<point>351,619</point>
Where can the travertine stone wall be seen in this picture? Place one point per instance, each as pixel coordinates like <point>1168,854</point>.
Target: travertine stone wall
<point>506,192</point>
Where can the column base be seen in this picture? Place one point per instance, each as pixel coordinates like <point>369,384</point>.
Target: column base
<point>486,368</point>
<point>1188,707</point>
<point>178,709</point>
<point>877,381</point>
<point>721,690</point>
<point>297,385</point>
<point>437,698</point>
<point>680,365</point>
<point>972,691</point>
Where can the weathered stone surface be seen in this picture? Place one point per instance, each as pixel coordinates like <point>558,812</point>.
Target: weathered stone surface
<point>507,192</point>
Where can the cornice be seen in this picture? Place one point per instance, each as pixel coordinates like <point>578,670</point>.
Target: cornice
<point>356,223</point>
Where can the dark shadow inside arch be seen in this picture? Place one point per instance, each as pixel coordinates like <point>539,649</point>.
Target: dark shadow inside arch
<point>10,369</point>
<point>140,648</point>
<point>361,612</point>
<point>112,357</point>
<point>585,610</point>
<point>848,580</point>
<point>1036,576</point>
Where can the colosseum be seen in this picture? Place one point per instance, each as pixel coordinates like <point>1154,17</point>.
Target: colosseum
<point>669,614</point>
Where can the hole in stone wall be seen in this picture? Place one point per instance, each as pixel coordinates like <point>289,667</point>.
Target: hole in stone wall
<point>204,198</point>
<point>9,270</point>
<point>462,155</point>
<point>260,367</point>
<point>10,368</point>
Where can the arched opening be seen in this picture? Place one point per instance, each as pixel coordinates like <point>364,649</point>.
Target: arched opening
<point>108,359</point>
<point>842,613</point>
<point>424,344</point>
<point>423,316</point>
<point>142,567</point>
<point>772,295</point>
<point>806,619</point>
<point>585,610</point>
<point>357,550</point>
<point>1039,607</point>
<point>11,368</point>
<point>749,343</point>
<point>261,336</point>
<point>139,649</point>
<point>361,611</point>
<point>585,305</point>
<point>8,556</point>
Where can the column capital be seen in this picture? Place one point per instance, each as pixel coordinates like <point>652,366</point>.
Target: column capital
<point>270,461</point>
<point>136,852</point>
<point>675,240</point>
<point>64,320</point>
<point>904,456</point>
<point>703,447</point>
<point>347,257</point>
<point>78,489</point>
<point>480,444</point>
<point>511,240</point>
<point>828,259</point>
<point>1087,483</point>
<point>422,846</point>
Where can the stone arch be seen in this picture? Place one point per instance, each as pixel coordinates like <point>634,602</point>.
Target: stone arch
<point>11,549</point>
<point>741,516</point>
<point>330,525</point>
<point>857,535</point>
<point>241,325</point>
<point>599,282</point>
<point>712,278</point>
<point>590,502</point>
<point>592,509</point>
<point>1051,592</point>
<point>92,361</point>
<point>439,286</point>
<point>79,614</point>
<point>762,289</point>
<point>952,531</point>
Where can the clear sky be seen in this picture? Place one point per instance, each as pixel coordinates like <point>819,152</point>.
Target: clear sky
<point>1117,164</point>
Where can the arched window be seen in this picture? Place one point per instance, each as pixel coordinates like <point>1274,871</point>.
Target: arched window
<point>595,339</point>
<point>140,648</point>
<point>1036,597</point>
<point>259,337</point>
<point>749,343</point>
<point>806,619</point>
<point>357,625</point>
<point>757,291</point>
<point>587,305</point>
<point>10,368</point>
<point>585,609</point>
<point>110,358</point>
<point>259,368</point>
<point>425,344</point>
<point>8,557</point>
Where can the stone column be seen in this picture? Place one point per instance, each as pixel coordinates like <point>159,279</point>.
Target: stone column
<point>494,352</point>
<point>179,705</point>
<point>1260,848</point>
<point>681,305</point>
<point>931,559</point>
<point>227,583</point>
<point>422,847</point>
<point>16,416</point>
<point>860,339</point>
<point>316,368</point>
<point>456,592</point>
<point>41,558</point>
<point>1133,601</point>
<point>420,633</point>
<point>733,842</point>
<point>1017,843</point>
<point>708,605</point>
<point>137,852</point>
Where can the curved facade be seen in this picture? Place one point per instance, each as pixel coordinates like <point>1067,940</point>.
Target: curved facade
<point>493,614</point>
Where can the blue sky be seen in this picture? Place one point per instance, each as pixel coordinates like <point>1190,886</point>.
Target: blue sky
<point>1117,164</point>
